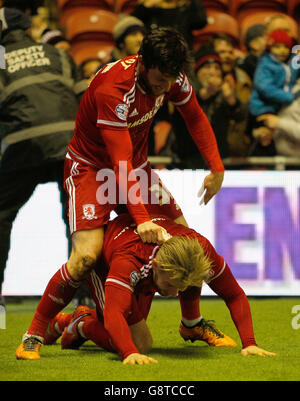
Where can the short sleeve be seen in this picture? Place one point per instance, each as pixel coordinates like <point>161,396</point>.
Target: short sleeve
<point>124,272</point>
<point>112,112</point>
<point>181,91</point>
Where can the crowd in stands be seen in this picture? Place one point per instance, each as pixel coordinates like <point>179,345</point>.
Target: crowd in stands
<point>246,80</point>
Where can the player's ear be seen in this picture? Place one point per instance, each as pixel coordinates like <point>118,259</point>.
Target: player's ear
<point>141,63</point>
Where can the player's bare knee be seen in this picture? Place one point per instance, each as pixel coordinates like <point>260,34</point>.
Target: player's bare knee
<point>87,264</point>
<point>81,265</point>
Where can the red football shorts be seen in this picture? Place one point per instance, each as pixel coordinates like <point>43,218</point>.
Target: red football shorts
<point>93,195</point>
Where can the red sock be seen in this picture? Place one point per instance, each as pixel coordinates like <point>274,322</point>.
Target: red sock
<point>59,292</point>
<point>190,303</point>
<point>94,330</point>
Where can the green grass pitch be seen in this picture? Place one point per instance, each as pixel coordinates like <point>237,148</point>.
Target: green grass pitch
<point>177,360</point>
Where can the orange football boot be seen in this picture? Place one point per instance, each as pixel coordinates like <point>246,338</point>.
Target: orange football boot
<point>206,331</point>
<point>29,348</point>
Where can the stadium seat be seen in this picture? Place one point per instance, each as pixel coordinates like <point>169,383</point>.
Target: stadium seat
<point>221,5</point>
<point>240,8</point>
<point>84,50</point>
<point>67,13</point>
<point>218,22</point>
<point>124,6</point>
<point>91,25</point>
<point>107,4</point>
<point>68,7</point>
<point>262,18</point>
<point>293,8</point>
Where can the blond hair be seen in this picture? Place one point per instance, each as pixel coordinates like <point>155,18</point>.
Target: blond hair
<point>185,260</point>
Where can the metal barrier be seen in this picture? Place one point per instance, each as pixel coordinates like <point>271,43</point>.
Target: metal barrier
<point>277,162</point>
<point>274,163</point>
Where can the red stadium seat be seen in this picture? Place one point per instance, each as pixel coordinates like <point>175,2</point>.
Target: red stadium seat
<point>65,14</point>
<point>91,25</point>
<point>239,8</point>
<point>107,4</point>
<point>262,17</point>
<point>221,5</point>
<point>124,6</point>
<point>84,50</point>
<point>68,7</point>
<point>218,22</point>
<point>293,8</point>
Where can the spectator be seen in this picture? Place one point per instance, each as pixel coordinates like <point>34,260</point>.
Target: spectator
<point>55,38</point>
<point>128,34</point>
<point>275,76</point>
<point>255,42</point>
<point>283,128</point>
<point>38,104</point>
<point>218,100</point>
<point>235,76</point>
<point>183,15</point>
<point>89,67</point>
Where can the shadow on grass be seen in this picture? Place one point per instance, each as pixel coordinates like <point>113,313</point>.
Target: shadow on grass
<point>185,352</point>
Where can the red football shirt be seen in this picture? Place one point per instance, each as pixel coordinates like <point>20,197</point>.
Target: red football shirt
<point>129,286</point>
<point>114,118</point>
<point>115,101</point>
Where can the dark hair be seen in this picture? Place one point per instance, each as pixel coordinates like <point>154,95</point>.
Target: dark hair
<point>24,5</point>
<point>222,36</point>
<point>166,49</point>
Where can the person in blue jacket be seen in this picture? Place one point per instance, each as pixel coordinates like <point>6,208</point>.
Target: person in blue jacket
<point>275,76</point>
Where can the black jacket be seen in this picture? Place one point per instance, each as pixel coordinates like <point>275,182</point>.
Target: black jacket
<point>39,98</point>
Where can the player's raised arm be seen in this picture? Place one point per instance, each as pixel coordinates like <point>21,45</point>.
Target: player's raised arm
<point>202,133</point>
<point>121,157</point>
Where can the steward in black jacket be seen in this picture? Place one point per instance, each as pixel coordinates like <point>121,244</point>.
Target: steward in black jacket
<point>39,96</point>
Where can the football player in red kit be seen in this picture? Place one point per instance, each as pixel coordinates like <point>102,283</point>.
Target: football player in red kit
<point>123,293</point>
<point>111,135</point>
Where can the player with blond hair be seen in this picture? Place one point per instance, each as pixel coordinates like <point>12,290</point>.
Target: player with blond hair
<point>130,274</point>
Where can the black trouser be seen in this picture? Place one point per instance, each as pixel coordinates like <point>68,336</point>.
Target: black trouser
<point>16,188</point>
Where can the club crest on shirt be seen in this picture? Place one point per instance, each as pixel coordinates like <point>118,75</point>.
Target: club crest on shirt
<point>89,211</point>
<point>122,111</point>
<point>134,278</point>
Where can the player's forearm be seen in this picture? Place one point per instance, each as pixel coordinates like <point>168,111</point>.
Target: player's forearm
<point>241,315</point>
<point>119,147</point>
<point>229,290</point>
<point>118,303</point>
<point>120,334</point>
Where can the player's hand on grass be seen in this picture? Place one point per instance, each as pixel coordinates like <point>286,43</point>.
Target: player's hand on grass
<point>254,350</point>
<point>212,184</point>
<point>152,233</point>
<point>138,359</point>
